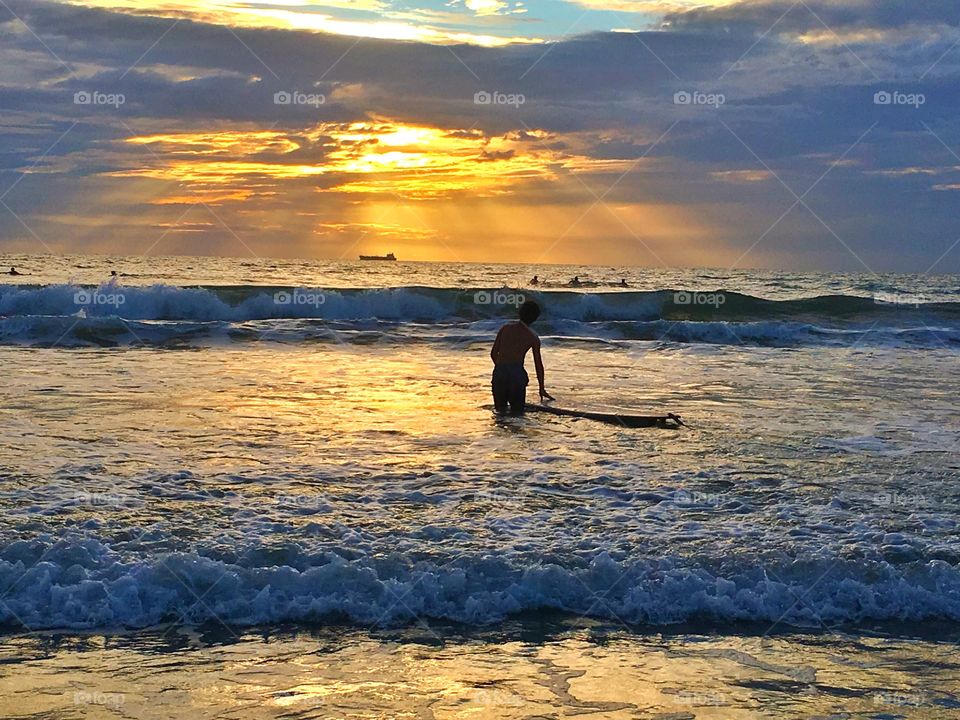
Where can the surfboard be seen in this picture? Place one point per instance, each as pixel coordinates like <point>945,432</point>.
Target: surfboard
<point>669,421</point>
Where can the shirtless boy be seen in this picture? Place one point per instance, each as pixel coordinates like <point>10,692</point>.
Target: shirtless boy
<point>509,349</point>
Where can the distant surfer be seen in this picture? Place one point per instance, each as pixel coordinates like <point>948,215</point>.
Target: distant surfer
<point>575,282</point>
<point>535,280</point>
<point>13,271</point>
<point>623,282</point>
<point>510,379</point>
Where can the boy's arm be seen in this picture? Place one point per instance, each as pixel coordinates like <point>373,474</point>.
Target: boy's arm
<point>538,363</point>
<point>495,350</point>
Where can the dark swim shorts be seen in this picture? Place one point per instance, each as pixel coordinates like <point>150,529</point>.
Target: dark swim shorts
<point>510,387</point>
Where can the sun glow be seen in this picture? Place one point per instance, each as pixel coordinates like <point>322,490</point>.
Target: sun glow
<point>423,191</point>
<point>377,157</point>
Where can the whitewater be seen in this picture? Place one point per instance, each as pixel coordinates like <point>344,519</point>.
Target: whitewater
<point>113,313</point>
<point>319,449</point>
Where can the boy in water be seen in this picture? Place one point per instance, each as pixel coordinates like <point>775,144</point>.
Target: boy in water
<point>509,349</point>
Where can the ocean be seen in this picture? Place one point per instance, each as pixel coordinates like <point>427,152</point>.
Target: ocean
<point>275,488</point>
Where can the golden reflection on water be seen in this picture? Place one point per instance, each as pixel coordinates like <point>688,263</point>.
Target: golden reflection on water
<point>346,674</point>
<point>350,391</point>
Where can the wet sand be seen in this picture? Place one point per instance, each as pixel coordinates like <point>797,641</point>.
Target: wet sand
<point>529,670</point>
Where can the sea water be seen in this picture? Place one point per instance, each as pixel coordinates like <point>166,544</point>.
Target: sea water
<point>256,463</point>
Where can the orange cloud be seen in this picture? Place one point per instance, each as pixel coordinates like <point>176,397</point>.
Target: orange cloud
<point>377,157</point>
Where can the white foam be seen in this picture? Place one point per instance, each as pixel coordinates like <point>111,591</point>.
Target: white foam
<point>113,314</point>
<point>87,586</point>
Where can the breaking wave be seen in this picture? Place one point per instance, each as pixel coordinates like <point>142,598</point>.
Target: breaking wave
<point>112,314</point>
<point>84,585</point>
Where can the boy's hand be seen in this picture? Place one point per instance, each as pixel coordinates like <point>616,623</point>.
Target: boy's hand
<point>544,395</point>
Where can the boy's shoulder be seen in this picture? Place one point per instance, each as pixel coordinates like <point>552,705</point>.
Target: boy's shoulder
<point>522,327</point>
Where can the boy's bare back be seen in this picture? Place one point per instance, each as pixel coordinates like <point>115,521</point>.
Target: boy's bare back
<point>510,379</point>
<point>513,342</point>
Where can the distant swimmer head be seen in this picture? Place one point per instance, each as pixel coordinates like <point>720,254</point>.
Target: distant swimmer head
<point>529,312</point>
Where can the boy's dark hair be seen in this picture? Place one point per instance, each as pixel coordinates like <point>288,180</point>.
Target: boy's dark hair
<point>529,312</point>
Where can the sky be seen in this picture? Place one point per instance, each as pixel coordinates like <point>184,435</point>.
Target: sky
<point>801,135</point>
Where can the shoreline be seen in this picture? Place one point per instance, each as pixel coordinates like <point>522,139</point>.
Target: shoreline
<point>600,671</point>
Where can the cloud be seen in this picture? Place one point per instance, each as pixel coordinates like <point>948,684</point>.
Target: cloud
<point>486,7</point>
<point>832,13</point>
<point>366,18</point>
<point>657,7</point>
<point>598,154</point>
<point>379,157</point>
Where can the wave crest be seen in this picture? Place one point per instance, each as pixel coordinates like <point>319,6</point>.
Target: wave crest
<point>90,588</point>
<point>159,314</point>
